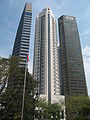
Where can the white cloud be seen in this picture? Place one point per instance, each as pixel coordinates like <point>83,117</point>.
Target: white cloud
<point>86,55</point>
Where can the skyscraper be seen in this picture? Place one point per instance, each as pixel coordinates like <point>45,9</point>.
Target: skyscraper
<point>72,69</point>
<point>45,65</point>
<point>61,90</point>
<point>21,45</point>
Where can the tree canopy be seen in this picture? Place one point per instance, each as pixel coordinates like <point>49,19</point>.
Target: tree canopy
<point>47,111</point>
<point>11,98</point>
<point>4,73</point>
<point>78,108</point>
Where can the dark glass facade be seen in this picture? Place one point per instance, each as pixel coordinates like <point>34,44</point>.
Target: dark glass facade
<point>21,45</point>
<point>60,75</point>
<point>72,69</point>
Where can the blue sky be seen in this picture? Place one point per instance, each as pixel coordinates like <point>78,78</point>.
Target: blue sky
<point>10,13</point>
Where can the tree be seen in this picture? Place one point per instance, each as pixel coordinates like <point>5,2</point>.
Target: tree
<point>4,66</point>
<point>47,111</point>
<point>11,98</point>
<point>78,108</point>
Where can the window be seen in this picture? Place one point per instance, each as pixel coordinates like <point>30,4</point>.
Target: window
<point>27,13</point>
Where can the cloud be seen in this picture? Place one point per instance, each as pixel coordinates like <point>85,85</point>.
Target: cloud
<point>86,56</point>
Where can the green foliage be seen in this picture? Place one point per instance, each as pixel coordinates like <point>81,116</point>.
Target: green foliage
<point>11,98</point>
<point>78,108</point>
<point>46,110</point>
<point>4,66</point>
<point>28,109</point>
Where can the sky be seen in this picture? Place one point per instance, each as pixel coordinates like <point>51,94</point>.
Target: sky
<point>10,13</point>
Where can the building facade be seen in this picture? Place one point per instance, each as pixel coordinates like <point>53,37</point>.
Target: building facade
<point>21,44</point>
<point>59,60</point>
<point>71,61</point>
<point>45,67</point>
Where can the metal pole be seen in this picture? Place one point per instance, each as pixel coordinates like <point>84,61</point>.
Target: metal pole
<point>24,91</point>
<point>33,107</point>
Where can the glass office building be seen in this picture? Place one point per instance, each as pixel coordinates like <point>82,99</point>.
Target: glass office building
<point>72,69</point>
<point>21,45</point>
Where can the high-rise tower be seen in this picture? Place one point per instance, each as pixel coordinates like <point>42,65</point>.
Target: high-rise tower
<point>21,45</point>
<point>72,69</point>
<point>61,91</point>
<point>45,65</point>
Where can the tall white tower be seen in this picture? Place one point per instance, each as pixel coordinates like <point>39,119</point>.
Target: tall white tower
<point>45,67</point>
